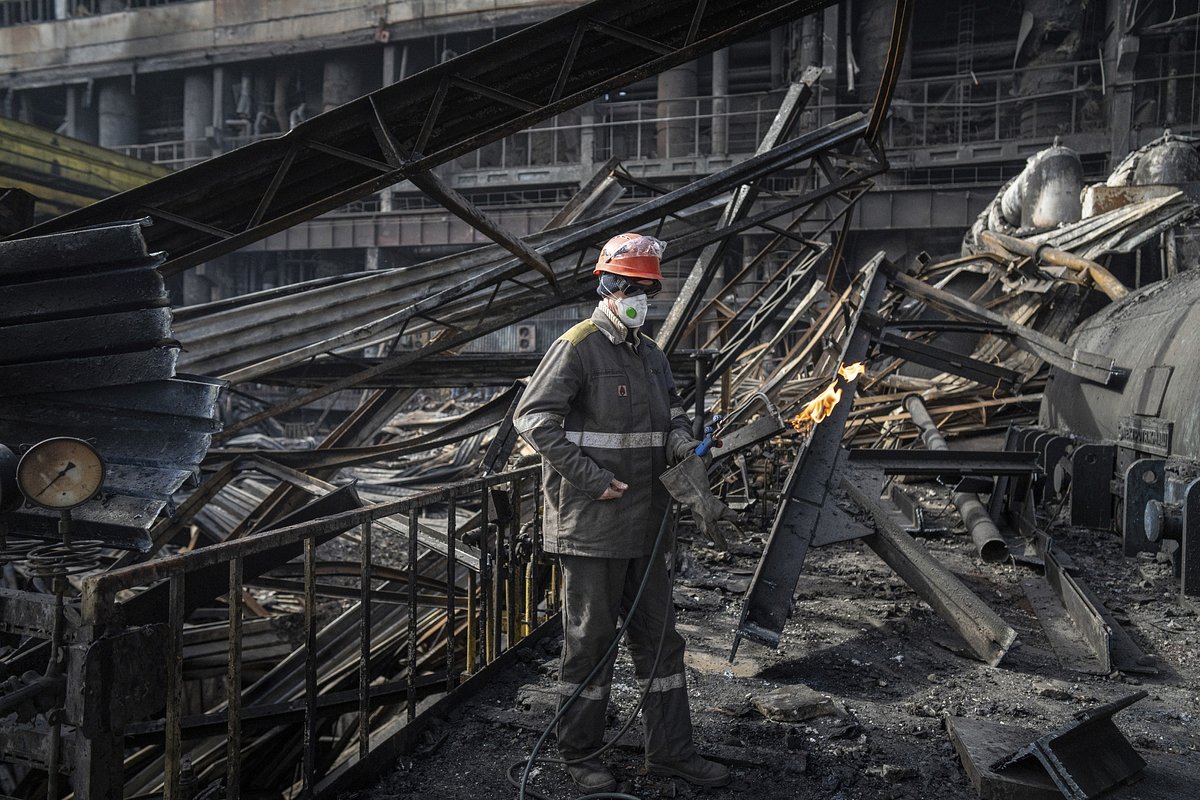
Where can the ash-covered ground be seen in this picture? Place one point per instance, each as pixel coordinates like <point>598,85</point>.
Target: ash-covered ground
<point>884,673</point>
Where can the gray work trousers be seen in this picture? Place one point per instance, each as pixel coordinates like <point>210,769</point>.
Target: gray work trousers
<point>597,592</point>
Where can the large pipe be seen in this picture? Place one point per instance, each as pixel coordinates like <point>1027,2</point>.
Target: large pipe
<point>1104,280</point>
<point>988,541</point>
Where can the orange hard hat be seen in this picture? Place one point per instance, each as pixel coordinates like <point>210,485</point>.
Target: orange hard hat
<point>632,255</point>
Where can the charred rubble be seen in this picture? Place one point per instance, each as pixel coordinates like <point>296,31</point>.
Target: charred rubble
<point>287,542</point>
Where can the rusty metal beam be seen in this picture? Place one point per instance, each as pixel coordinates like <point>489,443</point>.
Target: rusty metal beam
<point>987,635</point>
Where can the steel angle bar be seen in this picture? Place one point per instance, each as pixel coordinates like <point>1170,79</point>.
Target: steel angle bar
<point>1086,617</point>
<point>227,202</point>
<point>692,290</point>
<point>768,601</point>
<point>950,464</point>
<point>1085,757</point>
<point>983,373</point>
<point>987,635</point>
<point>1089,366</point>
<point>1111,644</point>
<point>468,212</point>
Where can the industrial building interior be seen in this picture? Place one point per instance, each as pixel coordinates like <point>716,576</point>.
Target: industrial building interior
<point>273,278</point>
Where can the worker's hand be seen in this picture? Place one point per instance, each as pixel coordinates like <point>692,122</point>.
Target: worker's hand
<point>616,489</point>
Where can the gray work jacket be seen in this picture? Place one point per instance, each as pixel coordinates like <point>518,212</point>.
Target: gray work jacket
<point>599,407</point>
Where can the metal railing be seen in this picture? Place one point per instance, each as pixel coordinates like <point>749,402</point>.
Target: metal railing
<point>1029,104</point>
<point>1026,104</point>
<point>626,129</point>
<point>181,153</point>
<point>24,12</point>
<point>629,130</point>
<point>497,588</point>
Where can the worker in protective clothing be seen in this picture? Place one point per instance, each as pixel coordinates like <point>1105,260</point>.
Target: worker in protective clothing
<point>602,411</point>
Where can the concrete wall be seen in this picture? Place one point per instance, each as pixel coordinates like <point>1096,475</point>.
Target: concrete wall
<point>205,32</point>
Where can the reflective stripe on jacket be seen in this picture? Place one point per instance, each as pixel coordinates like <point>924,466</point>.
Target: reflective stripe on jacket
<point>598,408</point>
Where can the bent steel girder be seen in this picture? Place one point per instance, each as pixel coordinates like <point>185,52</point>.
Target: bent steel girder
<point>409,127</point>
<point>472,308</point>
<point>796,274</point>
<point>768,601</point>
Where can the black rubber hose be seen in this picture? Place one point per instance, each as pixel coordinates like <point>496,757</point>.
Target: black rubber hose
<point>523,785</point>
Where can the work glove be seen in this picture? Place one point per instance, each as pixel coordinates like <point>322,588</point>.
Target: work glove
<point>687,482</point>
<point>680,445</point>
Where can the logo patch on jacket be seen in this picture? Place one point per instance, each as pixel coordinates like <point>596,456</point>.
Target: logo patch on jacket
<point>622,390</point>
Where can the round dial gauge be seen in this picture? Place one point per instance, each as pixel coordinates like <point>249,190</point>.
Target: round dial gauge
<point>60,473</point>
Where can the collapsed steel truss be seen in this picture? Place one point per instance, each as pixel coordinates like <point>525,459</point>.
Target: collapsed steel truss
<point>493,588</point>
<point>405,129</point>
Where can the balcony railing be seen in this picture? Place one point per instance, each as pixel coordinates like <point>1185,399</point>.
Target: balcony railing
<point>24,12</point>
<point>1030,105</point>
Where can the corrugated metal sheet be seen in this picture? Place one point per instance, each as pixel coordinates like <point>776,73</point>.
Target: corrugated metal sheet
<point>81,310</point>
<point>533,335</point>
<point>86,351</point>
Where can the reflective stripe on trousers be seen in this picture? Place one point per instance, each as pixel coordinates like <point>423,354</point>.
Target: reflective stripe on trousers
<point>592,692</point>
<point>666,683</point>
<point>597,593</point>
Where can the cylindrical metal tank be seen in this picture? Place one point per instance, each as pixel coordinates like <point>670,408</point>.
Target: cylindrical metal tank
<point>1155,334</point>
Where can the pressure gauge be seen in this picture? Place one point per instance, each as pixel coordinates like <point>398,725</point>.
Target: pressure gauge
<point>60,473</point>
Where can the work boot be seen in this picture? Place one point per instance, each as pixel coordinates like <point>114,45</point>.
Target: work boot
<point>696,770</point>
<point>592,776</point>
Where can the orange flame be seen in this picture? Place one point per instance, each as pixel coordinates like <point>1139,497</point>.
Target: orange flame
<point>852,371</point>
<point>822,405</point>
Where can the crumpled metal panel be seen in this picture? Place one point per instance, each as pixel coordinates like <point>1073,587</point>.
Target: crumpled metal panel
<point>81,310</point>
<point>86,350</point>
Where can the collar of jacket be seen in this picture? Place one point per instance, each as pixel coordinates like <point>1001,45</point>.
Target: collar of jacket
<point>612,328</point>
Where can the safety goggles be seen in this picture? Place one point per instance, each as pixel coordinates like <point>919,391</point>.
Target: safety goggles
<point>630,287</point>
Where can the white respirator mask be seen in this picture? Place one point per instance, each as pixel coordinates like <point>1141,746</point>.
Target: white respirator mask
<point>632,310</point>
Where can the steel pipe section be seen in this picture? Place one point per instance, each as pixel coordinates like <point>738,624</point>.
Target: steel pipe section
<point>988,542</point>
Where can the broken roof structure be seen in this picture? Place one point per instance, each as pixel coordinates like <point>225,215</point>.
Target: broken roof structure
<point>319,593</point>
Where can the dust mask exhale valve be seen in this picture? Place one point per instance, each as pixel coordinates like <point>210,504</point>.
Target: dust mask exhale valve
<point>632,310</point>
